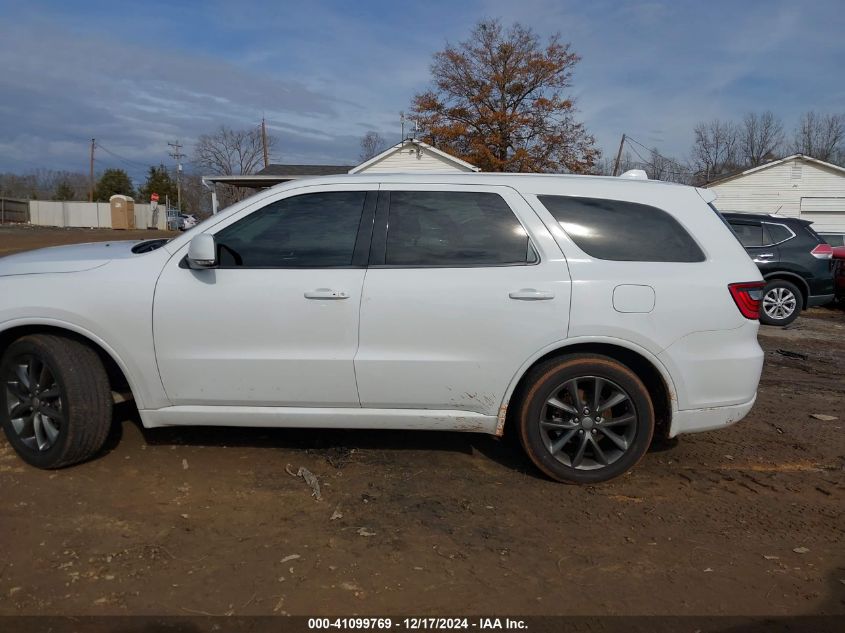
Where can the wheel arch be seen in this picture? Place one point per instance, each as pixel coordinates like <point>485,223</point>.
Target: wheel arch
<point>115,368</point>
<point>645,365</point>
<point>793,278</point>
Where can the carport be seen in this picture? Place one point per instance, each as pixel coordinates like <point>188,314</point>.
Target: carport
<point>269,176</point>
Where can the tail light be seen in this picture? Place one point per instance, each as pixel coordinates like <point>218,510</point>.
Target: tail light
<point>822,251</point>
<point>747,297</point>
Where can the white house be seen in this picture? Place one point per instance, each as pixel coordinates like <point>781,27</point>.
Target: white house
<point>409,156</point>
<point>795,186</point>
<point>412,156</point>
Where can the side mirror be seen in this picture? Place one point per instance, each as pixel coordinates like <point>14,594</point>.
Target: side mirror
<point>202,252</point>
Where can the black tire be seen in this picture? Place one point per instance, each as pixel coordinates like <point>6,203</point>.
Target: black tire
<point>789,296</point>
<point>542,425</point>
<point>71,390</point>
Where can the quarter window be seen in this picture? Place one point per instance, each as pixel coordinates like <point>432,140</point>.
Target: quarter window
<point>454,228</point>
<point>623,231</point>
<point>778,233</point>
<point>312,230</point>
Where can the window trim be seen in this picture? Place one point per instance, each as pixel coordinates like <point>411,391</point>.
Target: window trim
<point>378,249</point>
<point>761,223</point>
<point>360,249</point>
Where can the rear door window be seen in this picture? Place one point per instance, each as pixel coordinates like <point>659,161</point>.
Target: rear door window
<point>454,228</point>
<point>749,233</point>
<point>623,231</point>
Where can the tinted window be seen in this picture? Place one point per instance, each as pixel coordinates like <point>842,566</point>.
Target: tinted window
<point>748,234</point>
<point>778,233</point>
<point>623,231</point>
<point>834,240</point>
<point>451,228</point>
<point>308,231</point>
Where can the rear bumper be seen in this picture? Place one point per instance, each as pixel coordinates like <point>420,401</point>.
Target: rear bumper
<point>698,420</point>
<point>716,368</point>
<point>819,300</point>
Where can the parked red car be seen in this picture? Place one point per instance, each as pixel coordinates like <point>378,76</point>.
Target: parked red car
<point>839,272</point>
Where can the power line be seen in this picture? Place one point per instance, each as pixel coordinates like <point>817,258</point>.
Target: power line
<point>644,161</point>
<point>122,158</point>
<point>666,158</point>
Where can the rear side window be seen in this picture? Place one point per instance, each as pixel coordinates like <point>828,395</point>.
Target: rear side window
<point>454,228</point>
<point>623,231</point>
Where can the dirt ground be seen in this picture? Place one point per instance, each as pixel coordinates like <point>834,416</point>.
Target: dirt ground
<point>24,237</point>
<point>744,521</point>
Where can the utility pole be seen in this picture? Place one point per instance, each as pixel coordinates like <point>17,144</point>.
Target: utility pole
<point>618,156</point>
<point>91,173</point>
<point>177,155</point>
<point>264,143</point>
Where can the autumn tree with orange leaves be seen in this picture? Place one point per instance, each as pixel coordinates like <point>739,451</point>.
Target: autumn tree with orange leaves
<point>497,101</point>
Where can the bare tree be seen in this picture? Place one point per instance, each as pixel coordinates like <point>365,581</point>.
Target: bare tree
<point>45,184</point>
<point>714,152</point>
<point>604,166</point>
<point>230,152</point>
<point>372,144</point>
<point>760,138</point>
<point>820,136</point>
<point>658,167</point>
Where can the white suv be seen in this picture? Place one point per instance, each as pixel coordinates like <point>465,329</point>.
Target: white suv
<point>588,313</point>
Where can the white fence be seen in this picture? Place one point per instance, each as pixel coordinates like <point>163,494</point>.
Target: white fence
<point>88,214</point>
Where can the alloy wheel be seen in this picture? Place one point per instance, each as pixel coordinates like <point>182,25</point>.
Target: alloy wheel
<point>779,303</point>
<point>588,423</point>
<point>34,402</point>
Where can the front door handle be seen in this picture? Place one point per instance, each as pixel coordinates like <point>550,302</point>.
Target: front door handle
<point>326,293</point>
<point>531,294</point>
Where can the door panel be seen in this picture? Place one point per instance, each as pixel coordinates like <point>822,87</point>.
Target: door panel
<point>264,328</point>
<point>454,337</point>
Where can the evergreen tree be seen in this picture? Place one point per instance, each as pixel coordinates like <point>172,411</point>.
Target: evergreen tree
<point>112,182</point>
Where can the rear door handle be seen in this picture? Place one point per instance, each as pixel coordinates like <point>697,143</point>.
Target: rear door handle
<point>326,293</point>
<point>531,294</point>
<point>762,257</point>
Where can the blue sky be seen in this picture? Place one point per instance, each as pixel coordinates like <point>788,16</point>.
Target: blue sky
<point>137,74</point>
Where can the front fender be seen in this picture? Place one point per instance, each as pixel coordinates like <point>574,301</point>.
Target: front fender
<point>132,373</point>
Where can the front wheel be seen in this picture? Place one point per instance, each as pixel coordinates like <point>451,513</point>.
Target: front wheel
<point>55,400</point>
<point>781,303</point>
<point>585,419</point>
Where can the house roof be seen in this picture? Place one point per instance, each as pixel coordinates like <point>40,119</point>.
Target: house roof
<point>446,157</point>
<point>301,171</point>
<point>273,174</point>
<point>785,159</point>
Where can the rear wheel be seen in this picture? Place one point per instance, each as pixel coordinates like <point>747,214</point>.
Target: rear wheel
<point>55,400</point>
<point>781,303</point>
<point>585,419</point>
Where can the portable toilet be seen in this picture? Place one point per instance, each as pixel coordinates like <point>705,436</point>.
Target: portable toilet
<point>122,212</point>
